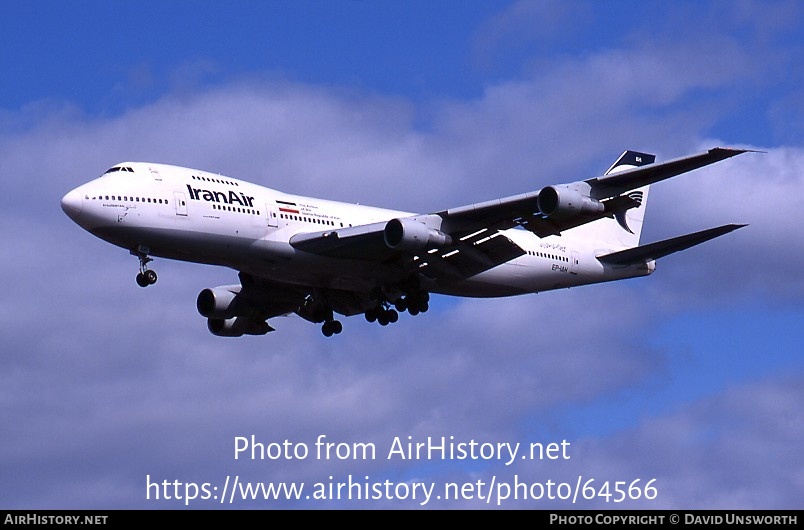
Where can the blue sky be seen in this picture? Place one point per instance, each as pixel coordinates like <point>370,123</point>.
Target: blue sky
<point>692,376</point>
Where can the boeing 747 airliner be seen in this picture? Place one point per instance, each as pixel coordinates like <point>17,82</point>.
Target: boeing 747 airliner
<point>318,258</point>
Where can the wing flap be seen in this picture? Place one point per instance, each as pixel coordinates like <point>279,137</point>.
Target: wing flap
<point>472,255</point>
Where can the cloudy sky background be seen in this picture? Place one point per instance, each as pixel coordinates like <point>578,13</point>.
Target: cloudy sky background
<point>693,376</point>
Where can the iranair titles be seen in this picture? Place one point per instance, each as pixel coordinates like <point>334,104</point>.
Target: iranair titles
<point>231,197</point>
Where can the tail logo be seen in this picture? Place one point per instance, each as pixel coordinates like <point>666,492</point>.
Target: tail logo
<point>636,198</point>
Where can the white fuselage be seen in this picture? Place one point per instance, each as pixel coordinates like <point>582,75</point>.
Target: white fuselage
<point>196,216</point>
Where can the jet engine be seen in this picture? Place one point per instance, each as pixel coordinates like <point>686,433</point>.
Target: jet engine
<point>219,303</point>
<point>411,235</point>
<point>229,314</point>
<point>563,202</point>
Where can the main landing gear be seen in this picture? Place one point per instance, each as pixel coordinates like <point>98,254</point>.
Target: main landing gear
<point>146,276</point>
<point>331,326</point>
<point>382,314</point>
<point>414,303</point>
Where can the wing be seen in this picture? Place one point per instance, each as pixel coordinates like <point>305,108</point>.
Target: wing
<point>555,209</point>
<point>458,243</point>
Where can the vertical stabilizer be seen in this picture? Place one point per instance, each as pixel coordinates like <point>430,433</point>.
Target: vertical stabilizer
<point>630,160</point>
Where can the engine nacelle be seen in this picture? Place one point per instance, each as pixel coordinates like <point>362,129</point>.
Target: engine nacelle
<point>408,234</point>
<point>562,202</point>
<point>237,327</point>
<point>217,303</point>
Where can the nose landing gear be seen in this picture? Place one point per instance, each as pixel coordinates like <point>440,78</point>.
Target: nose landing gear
<point>146,276</point>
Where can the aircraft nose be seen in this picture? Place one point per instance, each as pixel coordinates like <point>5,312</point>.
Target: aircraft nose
<point>72,204</point>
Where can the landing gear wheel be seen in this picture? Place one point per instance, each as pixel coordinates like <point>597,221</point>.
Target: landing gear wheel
<point>150,277</point>
<point>418,302</point>
<point>401,304</point>
<point>141,280</point>
<point>331,327</point>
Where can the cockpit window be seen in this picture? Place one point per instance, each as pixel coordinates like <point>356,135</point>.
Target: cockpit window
<point>119,168</point>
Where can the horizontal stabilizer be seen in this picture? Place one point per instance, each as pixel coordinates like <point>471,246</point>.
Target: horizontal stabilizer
<point>660,249</point>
